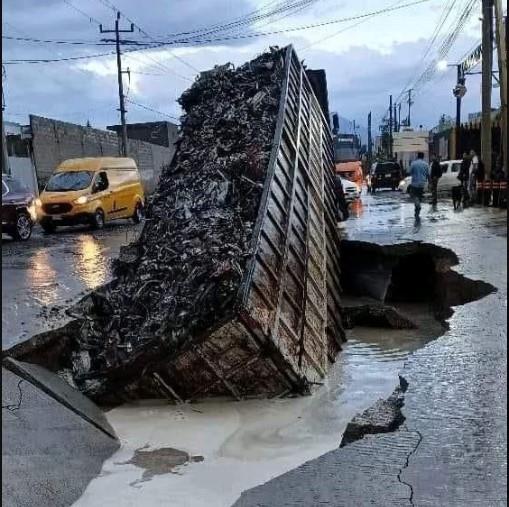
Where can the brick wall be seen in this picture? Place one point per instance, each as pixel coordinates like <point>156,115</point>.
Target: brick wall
<point>54,141</point>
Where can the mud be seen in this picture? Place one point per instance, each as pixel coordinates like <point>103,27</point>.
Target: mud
<point>374,315</point>
<point>160,461</point>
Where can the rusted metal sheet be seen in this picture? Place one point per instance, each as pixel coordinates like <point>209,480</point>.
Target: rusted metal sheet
<point>288,328</point>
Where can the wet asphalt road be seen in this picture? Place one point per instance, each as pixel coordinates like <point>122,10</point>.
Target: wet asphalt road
<point>452,448</point>
<point>43,276</point>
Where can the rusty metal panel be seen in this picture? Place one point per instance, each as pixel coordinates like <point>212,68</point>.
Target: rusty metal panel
<point>291,291</point>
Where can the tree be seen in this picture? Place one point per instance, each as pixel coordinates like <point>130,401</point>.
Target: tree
<point>445,122</point>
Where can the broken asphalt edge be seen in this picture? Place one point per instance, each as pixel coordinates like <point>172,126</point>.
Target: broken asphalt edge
<point>62,392</point>
<point>384,416</point>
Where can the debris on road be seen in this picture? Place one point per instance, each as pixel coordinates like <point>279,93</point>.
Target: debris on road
<point>384,416</point>
<point>233,286</point>
<point>375,315</point>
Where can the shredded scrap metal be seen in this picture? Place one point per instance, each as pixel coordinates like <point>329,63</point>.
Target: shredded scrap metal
<point>189,313</point>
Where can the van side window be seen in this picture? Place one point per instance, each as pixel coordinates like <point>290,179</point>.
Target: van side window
<point>101,182</point>
<point>455,167</point>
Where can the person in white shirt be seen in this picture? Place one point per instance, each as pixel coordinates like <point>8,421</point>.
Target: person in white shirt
<point>473,175</point>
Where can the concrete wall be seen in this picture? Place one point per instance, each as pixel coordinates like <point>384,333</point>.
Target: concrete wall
<point>54,141</point>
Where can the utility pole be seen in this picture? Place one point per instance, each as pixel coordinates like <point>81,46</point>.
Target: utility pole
<point>396,126</point>
<point>487,64</point>
<point>117,33</point>
<point>370,148</point>
<point>501,38</point>
<point>390,126</point>
<point>409,105</point>
<point>6,168</point>
<point>460,89</point>
<point>399,116</point>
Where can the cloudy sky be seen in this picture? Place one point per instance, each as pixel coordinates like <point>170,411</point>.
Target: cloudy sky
<point>366,59</point>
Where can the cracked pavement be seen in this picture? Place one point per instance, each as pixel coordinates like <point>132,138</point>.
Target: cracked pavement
<point>452,448</point>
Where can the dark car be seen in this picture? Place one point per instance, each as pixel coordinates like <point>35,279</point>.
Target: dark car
<point>385,175</point>
<point>18,209</point>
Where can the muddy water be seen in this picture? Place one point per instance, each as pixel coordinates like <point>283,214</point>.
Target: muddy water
<point>246,443</point>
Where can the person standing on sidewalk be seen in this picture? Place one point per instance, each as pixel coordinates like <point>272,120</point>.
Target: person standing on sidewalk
<point>436,173</point>
<point>419,172</point>
<point>472,180</point>
<point>464,176</point>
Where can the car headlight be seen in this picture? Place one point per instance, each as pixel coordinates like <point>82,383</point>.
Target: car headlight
<point>38,202</point>
<point>81,200</point>
<point>32,211</point>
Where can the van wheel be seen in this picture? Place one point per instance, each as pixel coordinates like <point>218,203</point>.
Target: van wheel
<point>48,226</point>
<point>138,213</point>
<point>98,220</point>
<point>23,229</point>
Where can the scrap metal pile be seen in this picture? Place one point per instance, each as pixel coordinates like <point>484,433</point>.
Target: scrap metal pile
<point>232,286</point>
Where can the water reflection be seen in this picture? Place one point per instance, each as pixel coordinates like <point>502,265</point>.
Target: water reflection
<point>92,267</point>
<point>43,278</point>
<point>356,208</point>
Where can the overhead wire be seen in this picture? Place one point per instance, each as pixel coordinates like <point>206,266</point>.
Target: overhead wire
<point>444,48</point>
<point>144,32</point>
<point>335,34</point>
<point>448,7</point>
<point>158,44</point>
<point>152,110</point>
<point>83,13</point>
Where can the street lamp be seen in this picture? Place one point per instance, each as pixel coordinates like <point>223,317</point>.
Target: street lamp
<point>459,92</point>
<point>442,65</point>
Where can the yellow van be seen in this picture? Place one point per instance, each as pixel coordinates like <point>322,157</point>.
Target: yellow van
<point>91,191</point>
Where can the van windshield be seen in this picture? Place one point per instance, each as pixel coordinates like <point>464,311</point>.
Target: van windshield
<point>75,180</point>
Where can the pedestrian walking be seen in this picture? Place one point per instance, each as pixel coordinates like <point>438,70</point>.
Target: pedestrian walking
<point>472,178</point>
<point>419,173</point>
<point>464,176</point>
<point>436,173</point>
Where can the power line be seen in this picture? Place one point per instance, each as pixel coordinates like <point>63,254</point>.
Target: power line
<point>71,42</point>
<point>286,30</point>
<point>52,60</point>
<point>441,21</point>
<point>249,19</point>
<point>447,42</point>
<point>159,44</point>
<point>83,13</point>
<point>158,65</point>
<point>335,34</point>
<point>152,110</point>
<point>141,30</point>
